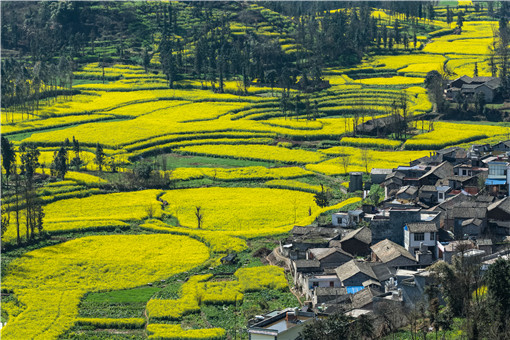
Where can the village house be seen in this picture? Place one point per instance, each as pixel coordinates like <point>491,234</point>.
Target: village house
<point>392,254</point>
<point>407,193</point>
<point>473,227</point>
<point>379,126</point>
<point>347,219</point>
<point>446,250</point>
<point>356,242</point>
<point>389,224</point>
<point>469,210</point>
<point>310,283</point>
<point>303,238</point>
<point>417,234</point>
<point>413,287</point>
<point>328,257</point>
<point>436,173</point>
<point>501,147</point>
<point>357,274</point>
<point>323,295</point>
<point>498,214</point>
<point>280,325</point>
<point>498,179</point>
<point>377,176</point>
<point>470,87</point>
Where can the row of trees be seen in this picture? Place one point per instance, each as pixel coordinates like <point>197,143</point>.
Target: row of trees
<point>26,205</point>
<point>54,35</point>
<point>24,84</point>
<point>482,299</point>
<point>20,182</point>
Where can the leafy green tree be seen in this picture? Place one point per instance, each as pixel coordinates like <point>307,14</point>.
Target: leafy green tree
<point>6,217</point>
<point>322,198</point>
<point>59,164</point>
<point>336,326</point>
<point>376,194</point>
<point>8,156</point>
<point>460,19</point>
<point>100,156</point>
<point>29,160</point>
<point>435,83</point>
<point>143,170</point>
<point>498,287</point>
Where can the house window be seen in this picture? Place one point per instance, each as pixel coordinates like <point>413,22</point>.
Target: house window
<point>419,237</point>
<point>464,172</point>
<point>315,284</point>
<point>331,284</point>
<point>441,195</point>
<point>497,170</point>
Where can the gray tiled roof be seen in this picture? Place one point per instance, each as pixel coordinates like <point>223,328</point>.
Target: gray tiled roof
<point>361,234</point>
<point>353,267</point>
<point>307,264</point>
<point>387,251</point>
<point>422,227</point>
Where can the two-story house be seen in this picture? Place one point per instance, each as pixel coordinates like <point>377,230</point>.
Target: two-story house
<point>418,233</point>
<point>498,178</point>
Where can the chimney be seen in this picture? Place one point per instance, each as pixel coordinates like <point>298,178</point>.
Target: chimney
<point>291,317</point>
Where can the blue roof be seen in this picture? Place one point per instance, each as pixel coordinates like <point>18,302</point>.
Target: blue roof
<point>495,181</point>
<point>354,289</point>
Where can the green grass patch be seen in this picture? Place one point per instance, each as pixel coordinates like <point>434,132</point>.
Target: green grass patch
<point>142,294</point>
<point>178,161</point>
<point>89,332</point>
<point>129,303</point>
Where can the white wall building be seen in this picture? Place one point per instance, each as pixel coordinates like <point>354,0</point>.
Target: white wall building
<point>419,233</point>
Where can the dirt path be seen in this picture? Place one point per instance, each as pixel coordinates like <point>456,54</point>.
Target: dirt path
<point>274,259</point>
<point>333,179</point>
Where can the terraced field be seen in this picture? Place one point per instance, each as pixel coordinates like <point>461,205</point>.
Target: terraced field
<point>234,169</point>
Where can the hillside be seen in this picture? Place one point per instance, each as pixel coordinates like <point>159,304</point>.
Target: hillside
<point>154,139</point>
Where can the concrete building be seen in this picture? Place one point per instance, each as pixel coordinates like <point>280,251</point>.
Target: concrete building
<point>417,234</point>
<point>284,325</point>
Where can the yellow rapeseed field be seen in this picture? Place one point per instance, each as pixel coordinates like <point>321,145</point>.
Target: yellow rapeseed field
<point>234,174</point>
<point>378,143</point>
<point>84,178</point>
<point>376,159</point>
<point>174,332</point>
<point>401,61</point>
<point>197,291</point>
<point>122,206</point>
<point>397,80</point>
<point>242,210</point>
<point>30,125</point>
<point>255,152</point>
<point>470,46</point>
<point>294,185</point>
<point>216,241</point>
<point>445,134</point>
<point>50,281</point>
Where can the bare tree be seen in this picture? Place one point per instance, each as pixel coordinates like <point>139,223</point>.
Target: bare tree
<point>366,158</point>
<point>345,160</point>
<point>199,215</point>
<point>404,106</point>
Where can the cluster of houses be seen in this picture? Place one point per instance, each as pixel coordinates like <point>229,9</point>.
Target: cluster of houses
<point>470,87</point>
<point>452,201</point>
